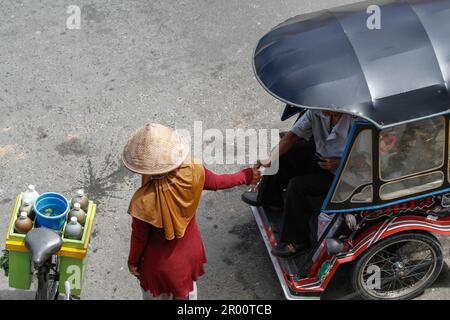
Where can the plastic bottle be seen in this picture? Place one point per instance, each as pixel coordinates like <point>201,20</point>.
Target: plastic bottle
<point>74,230</point>
<point>78,213</point>
<point>27,207</point>
<point>23,224</point>
<point>31,194</point>
<point>81,198</point>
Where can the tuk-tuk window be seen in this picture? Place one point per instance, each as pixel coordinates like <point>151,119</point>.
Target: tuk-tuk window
<point>412,185</point>
<point>411,148</point>
<point>357,171</point>
<point>366,195</point>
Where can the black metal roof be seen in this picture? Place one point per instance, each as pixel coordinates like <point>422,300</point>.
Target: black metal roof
<point>331,60</point>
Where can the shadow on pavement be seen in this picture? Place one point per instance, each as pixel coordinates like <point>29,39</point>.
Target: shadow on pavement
<point>14,294</point>
<point>443,281</point>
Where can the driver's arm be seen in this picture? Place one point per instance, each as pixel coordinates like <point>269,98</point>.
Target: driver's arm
<point>286,144</point>
<point>302,129</point>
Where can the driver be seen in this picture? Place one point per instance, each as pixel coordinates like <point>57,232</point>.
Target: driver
<point>307,169</point>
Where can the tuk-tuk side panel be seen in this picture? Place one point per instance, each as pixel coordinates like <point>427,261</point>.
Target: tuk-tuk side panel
<point>347,206</point>
<point>447,151</point>
<point>358,127</point>
<point>317,281</point>
<point>369,237</point>
<point>359,245</point>
<point>402,203</point>
<point>390,227</point>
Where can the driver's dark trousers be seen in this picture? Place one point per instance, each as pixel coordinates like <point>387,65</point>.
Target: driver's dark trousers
<point>300,174</point>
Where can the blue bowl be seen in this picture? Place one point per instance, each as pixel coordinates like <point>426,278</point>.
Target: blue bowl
<point>51,210</point>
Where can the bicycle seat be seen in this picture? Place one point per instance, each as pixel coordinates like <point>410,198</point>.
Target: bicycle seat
<point>43,243</point>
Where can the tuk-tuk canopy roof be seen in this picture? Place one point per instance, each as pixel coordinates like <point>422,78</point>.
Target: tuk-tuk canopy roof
<point>331,60</point>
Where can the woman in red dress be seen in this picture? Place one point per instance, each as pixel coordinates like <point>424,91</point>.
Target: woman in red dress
<point>166,252</point>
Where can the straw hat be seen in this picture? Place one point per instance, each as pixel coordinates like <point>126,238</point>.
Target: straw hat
<point>155,149</point>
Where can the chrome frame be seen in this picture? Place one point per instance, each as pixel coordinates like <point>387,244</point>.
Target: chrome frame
<point>275,261</point>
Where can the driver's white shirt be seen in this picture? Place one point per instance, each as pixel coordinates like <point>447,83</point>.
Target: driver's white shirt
<point>313,123</point>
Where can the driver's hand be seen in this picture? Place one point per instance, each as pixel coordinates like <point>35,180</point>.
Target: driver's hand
<point>330,164</point>
<point>262,163</point>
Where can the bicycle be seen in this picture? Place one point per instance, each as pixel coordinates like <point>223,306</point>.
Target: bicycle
<point>44,243</point>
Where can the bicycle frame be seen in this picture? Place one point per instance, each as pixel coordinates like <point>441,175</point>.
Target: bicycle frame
<point>49,271</point>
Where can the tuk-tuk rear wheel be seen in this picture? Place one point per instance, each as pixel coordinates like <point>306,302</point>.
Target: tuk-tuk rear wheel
<point>399,267</point>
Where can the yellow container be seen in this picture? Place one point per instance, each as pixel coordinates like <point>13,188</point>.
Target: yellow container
<point>72,254</point>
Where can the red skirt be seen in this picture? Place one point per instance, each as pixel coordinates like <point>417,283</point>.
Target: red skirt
<point>171,266</point>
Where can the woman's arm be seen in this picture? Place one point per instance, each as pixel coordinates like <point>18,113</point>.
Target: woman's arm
<point>226,181</point>
<point>139,236</point>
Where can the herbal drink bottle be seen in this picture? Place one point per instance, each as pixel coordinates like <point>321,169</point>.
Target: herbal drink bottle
<point>23,224</point>
<point>74,230</point>
<point>78,213</point>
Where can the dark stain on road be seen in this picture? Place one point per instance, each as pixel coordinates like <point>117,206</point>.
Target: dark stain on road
<point>228,261</point>
<point>248,286</point>
<point>6,200</point>
<point>106,182</point>
<point>91,14</point>
<point>73,146</point>
<point>249,246</point>
<point>247,234</point>
<point>42,134</point>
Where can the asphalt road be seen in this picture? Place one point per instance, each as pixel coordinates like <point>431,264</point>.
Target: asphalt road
<point>69,99</point>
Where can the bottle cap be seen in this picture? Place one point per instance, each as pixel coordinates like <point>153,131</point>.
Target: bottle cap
<point>31,188</point>
<point>80,193</point>
<point>23,214</point>
<point>73,220</point>
<point>77,206</point>
<point>27,201</point>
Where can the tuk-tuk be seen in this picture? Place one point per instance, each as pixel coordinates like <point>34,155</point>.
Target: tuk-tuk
<point>391,193</point>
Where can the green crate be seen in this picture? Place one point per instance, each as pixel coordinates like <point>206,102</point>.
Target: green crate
<point>19,270</point>
<point>12,234</point>
<point>73,271</point>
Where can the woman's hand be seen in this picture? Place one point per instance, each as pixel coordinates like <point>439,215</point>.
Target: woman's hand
<point>256,176</point>
<point>134,270</point>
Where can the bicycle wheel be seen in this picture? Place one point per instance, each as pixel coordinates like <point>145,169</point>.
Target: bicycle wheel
<point>48,280</point>
<point>403,266</point>
<point>42,289</point>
